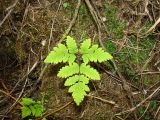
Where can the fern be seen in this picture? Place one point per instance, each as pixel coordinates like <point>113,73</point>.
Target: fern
<point>78,91</point>
<point>77,74</point>
<point>71,44</point>
<point>68,70</point>
<point>89,72</point>
<point>61,53</point>
<point>78,87</point>
<point>100,55</point>
<point>71,58</point>
<point>31,108</point>
<point>72,80</point>
<point>85,46</point>
<point>93,54</point>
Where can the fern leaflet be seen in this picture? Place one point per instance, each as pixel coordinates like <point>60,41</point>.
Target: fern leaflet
<point>89,72</point>
<point>25,111</point>
<point>76,78</point>
<point>68,70</point>
<point>71,58</point>
<point>59,54</point>
<point>78,91</point>
<point>84,79</point>
<point>85,46</point>
<point>71,44</point>
<point>100,55</point>
<point>94,54</point>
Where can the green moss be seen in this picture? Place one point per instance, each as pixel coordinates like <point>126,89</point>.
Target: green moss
<point>132,54</point>
<point>147,82</point>
<point>114,26</point>
<point>135,56</point>
<point>111,47</point>
<point>147,25</point>
<point>84,16</point>
<point>141,111</point>
<point>149,114</point>
<point>153,104</point>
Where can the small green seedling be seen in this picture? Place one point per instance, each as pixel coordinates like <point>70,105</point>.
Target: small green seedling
<point>31,108</point>
<point>65,5</point>
<point>78,71</point>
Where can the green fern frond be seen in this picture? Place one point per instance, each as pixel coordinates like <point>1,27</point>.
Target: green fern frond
<point>84,79</point>
<point>68,70</point>
<point>85,46</point>
<point>78,91</point>
<point>66,58</point>
<point>88,55</point>
<point>77,75</point>
<point>95,54</point>
<point>78,87</point>
<point>71,80</point>
<point>89,72</point>
<point>59,54</point>
<point>71,58</point>
<point>100,55</point>
<point>76,78</point>
<point>71,44</point>
<point>93,48</point>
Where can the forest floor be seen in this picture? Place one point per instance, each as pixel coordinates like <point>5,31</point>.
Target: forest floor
<point>129,88</point>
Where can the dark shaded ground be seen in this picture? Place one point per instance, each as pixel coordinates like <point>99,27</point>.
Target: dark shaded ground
<point>130,31</point>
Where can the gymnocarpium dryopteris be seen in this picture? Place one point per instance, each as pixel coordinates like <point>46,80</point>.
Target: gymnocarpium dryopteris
<point>77,72</point>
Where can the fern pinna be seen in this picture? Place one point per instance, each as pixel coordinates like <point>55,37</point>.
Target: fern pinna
<point>78,72</point>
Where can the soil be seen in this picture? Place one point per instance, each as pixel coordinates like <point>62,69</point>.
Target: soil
<point>128,90</point>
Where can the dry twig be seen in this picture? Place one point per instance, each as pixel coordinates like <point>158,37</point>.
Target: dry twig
<point>153,27</point>
<point>55,110</point>
<point>103,100</point>
<point>7,94</point>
